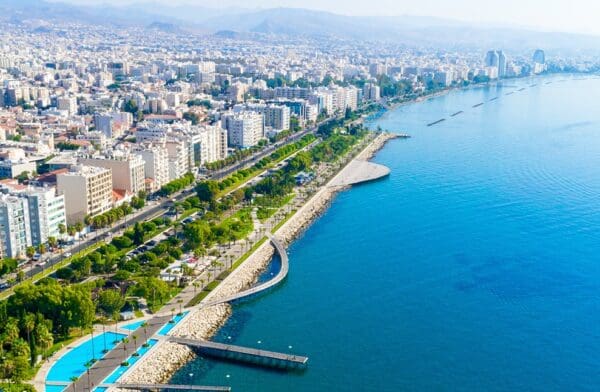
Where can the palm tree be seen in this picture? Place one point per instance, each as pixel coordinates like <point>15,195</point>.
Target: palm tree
<point>145,326</point>
<point>172,321</point>
<point>180,301</point>
<point>125,341</point>
<point>73,381</point>
<point>134,337</point>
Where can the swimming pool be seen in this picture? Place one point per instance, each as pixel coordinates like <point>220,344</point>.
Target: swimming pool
<point>118,372</point>
<point>72,363</point>
<point>133,326</point>
<point>169,326</point>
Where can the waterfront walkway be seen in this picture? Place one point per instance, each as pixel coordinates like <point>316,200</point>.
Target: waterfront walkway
<point>283,271</point>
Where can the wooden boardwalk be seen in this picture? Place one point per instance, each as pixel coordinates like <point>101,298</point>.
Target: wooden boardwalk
<point>159,387</point>
<point>252,355</point>
<point>283,271</point>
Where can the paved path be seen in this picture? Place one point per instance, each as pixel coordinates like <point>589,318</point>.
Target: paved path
<point>285,266</point>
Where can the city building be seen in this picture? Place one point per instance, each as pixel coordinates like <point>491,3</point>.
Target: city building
<point>87,191</point>
<point>244,129</point>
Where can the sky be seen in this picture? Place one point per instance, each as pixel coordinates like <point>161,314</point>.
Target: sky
<point>579,16</point>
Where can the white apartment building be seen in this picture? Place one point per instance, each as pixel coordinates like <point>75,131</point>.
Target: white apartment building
<point>371,92</point>
<point>275,116</point>
<point>67,103</point>
<point>244,129</point>
<point>87,191</point>
<point>46,213</point>
<point>127,170</point>
<point>178,157</point>
<point>15,233</point>
<point>156,165</point>
<point>213,144</point>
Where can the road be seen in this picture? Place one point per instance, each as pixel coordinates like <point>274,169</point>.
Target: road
<point>152,211</point>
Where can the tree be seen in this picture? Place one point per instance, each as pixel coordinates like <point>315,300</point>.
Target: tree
<point>111,301</point>
<point>52,242</point>
<point>30,251</point>
<point>41,249</point>
<point>208,190</point>
<point>138,234</point>
<point>62,229</point>
<point>131,106</point>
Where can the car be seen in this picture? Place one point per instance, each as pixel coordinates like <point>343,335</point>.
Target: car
<point>4,286</point>
<point>36,257</point>
<point>188,220</point>
<point>67,254</point>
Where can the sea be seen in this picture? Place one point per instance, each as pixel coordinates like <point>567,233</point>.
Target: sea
<point>475,266</point>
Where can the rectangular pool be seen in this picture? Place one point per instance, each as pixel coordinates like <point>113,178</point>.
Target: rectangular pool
<point>72,363</point>
<point>169,326</point>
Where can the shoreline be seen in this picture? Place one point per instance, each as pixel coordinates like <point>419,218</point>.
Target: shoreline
<point>166,358</point>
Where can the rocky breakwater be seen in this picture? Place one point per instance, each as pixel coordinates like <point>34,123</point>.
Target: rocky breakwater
<point>159,365</point>
<point>166,358</point>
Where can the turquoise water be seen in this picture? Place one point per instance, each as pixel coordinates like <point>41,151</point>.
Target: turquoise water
<point>133,326</point>
<point>169,326</point>
<point>115,375</point>
<point>72,364</point>
<point>473,267</point>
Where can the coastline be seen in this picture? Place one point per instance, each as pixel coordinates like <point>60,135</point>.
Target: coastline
<point>166,358</point>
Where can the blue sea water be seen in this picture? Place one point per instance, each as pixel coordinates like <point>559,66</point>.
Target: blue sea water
<point>474,266</point>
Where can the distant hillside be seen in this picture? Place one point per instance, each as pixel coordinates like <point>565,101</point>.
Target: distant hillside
<point>409,30</point>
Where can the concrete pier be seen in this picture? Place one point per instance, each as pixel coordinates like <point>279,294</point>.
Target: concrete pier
<point>359,171</point>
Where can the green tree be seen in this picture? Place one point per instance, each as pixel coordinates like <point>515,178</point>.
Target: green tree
<point>138,234</point>
<point>111,302</point>
<point>207,190</point>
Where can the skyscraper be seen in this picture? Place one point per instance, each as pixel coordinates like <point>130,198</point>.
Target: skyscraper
<point>539,57</point>
<point>492,59</point>
<point>501,64</point>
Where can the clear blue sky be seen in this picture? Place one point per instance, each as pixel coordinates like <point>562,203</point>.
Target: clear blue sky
<point>551,15</point>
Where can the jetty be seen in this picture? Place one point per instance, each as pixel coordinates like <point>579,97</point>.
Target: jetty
<point>493,99</point>
<point>244,354</point>
<point>478,105</point>
<point>456,114</point>
<point>161,387</point>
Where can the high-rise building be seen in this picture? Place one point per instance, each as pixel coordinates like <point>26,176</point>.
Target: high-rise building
<point>539,56</point>
<point>46,213</point>
<point>156,165</point>
<point>15,233</point>
<point>67,103</point>
<point>127,170</point>
<point>87,191</point>
<point>492,59</point>
<point>371,92</point>
<point>502,63</point>
<point>244,129</point>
